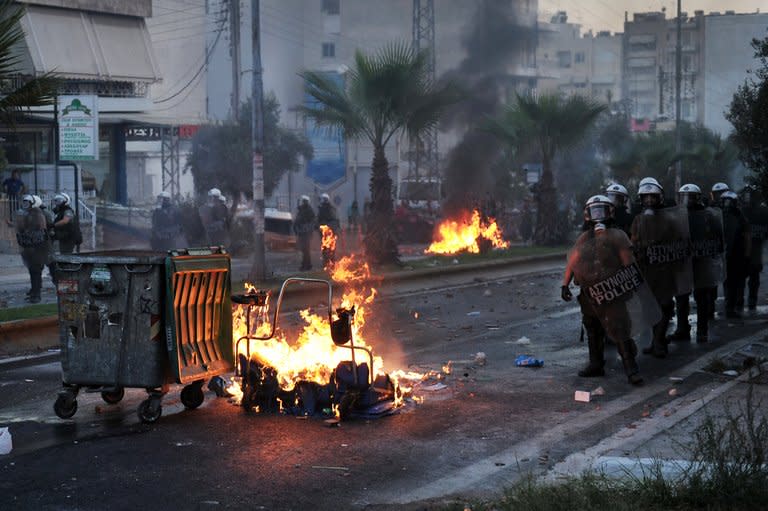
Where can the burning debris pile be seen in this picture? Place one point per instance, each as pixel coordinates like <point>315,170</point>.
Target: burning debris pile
<point>468,233</point>
<point>329,369</point>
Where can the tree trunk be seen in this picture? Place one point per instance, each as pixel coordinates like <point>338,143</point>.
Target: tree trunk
<point>547,232</point>
<point>380,241</point>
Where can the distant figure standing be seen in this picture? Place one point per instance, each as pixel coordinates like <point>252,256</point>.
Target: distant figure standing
<point>214,217</point>
<point>304,226</point>
<point>13,188</point>
<point>66,227</point>
<point>526,223</point>
<point>166,224</point>
<point>353,216</point>
<point>33,239</point>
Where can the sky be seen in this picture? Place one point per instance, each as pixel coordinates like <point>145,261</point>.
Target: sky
<point>609,14</point>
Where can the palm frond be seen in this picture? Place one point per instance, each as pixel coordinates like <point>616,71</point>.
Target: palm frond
<point>35,92</point>
<point>10,34</point>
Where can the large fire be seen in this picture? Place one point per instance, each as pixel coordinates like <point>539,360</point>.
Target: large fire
<point>463,234</point>
<point>313,356</point>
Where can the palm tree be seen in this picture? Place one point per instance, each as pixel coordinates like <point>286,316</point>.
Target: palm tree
<point>35,91</point>
<point>550,124</point>
<point>387,93</point>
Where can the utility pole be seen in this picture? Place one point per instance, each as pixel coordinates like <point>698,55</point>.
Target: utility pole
<point>259,269</point>
<point>678,80</point>
<point>424,150</point>
<point>234,48</point>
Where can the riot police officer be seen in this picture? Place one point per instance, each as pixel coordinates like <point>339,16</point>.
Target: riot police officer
<point>662,242</point>
<point>706,228</point>
<point>602,264</point>
<point>166,224</point>
<point>715,195</point>
<point>304,226</point>
<point>620,198</point>
<point>737,251</point>
<point>214,217</point>
<point>757,216</point>
<point>32,236</point>
<point>66,227</point>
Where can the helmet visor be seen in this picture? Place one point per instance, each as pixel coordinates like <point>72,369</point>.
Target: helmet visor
<point>617,198</point>
<point>688,199</point>
<point>598,212</point>
<point>650,200</point>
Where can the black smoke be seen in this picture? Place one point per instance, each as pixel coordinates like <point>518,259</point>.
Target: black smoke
<point>494,42</point>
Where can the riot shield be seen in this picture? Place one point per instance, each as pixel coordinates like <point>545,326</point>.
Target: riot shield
<point>615,292</point>
<point>663,250</point>
<point>707,247</point>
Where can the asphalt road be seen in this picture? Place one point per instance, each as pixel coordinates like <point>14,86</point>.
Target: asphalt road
<point>491,423</point>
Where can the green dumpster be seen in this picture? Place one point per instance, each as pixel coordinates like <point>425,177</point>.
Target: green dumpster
<point>140,319</point>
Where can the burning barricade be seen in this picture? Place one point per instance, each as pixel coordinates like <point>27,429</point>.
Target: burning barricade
<point>329,369</point>
<point>467,233</point>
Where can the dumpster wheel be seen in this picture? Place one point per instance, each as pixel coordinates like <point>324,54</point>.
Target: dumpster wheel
<point>113,397</point>
<point>65,407</point>
<point>150,410</point>
<point>192,395</point>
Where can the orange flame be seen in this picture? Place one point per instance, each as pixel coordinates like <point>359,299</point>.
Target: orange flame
<point>455,236</point>
<point>329,239</point>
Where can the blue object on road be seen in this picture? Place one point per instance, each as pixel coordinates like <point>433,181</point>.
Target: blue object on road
<point>528,361</point>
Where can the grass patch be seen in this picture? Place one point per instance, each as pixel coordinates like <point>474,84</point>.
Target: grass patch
<point>433,261</point>
<point>41,310</point>
<point>728,470</point>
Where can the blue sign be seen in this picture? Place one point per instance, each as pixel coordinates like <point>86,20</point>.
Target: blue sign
<point>329,161</point>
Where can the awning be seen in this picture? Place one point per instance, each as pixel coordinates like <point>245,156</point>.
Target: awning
<point>89,46</point>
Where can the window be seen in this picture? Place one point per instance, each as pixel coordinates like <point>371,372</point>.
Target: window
<point>579,57</point>
<point>329,50</point>
<point>27,146</point>
<point>331,7</point>
<point>564,58</point>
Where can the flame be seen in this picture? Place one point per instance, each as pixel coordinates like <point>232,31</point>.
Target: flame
<point>329,239</point>
<point>462,235</point>
<point>313,356</point>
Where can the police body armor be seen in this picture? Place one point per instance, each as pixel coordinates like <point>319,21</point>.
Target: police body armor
<point>663,251</point>
<point>758,224</point>
<point>707,247</point>
<point>618,295</point>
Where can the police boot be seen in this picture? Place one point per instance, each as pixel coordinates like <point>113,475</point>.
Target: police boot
<point>628,351</point>
<point>658,347</point>
<point>596,342</point>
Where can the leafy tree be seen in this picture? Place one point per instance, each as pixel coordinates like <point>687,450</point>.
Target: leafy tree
<point>221,154</point>
<point>749,115</point>
<point>16,95</point>
<point>551,124</point>
<point>707,159</point>
<point>387,93</point>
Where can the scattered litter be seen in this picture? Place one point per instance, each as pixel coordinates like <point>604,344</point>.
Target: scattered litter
<point>492,327</point>
<point>499,464</point>
<point>435,387</point>
<point>599,391</point>
<point>331,423</point>
<point>731,372</point>
<point>209,502</point>
<point>28,380</point>
<point>183,444</point>
<point>675,379</point>
<point>323,467</point>
<point>581,396</point>
<point>219,386</point>
<point>487,292</point>
<point>523,341</point>
<point>543,458</point>
<point>455,261</point>
<point>646,413</point>
<point>6,442</point>
<point>473,313</point>
<point>528,361</point>
<point>480,358</point>
<point>672,392</point>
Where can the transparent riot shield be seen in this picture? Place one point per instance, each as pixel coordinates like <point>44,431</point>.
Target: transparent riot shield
<point>663,249</point>
<point>612,285</point>
<point>707,247</point>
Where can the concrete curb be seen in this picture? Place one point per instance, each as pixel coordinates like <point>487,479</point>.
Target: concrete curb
<point>31,334</point>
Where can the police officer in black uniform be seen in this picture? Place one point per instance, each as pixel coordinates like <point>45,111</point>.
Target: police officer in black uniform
<point>66,228</point>
<point>757,215</point>
<point>737,251</point>
<point>304,226</point>
<point>601,252</point>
